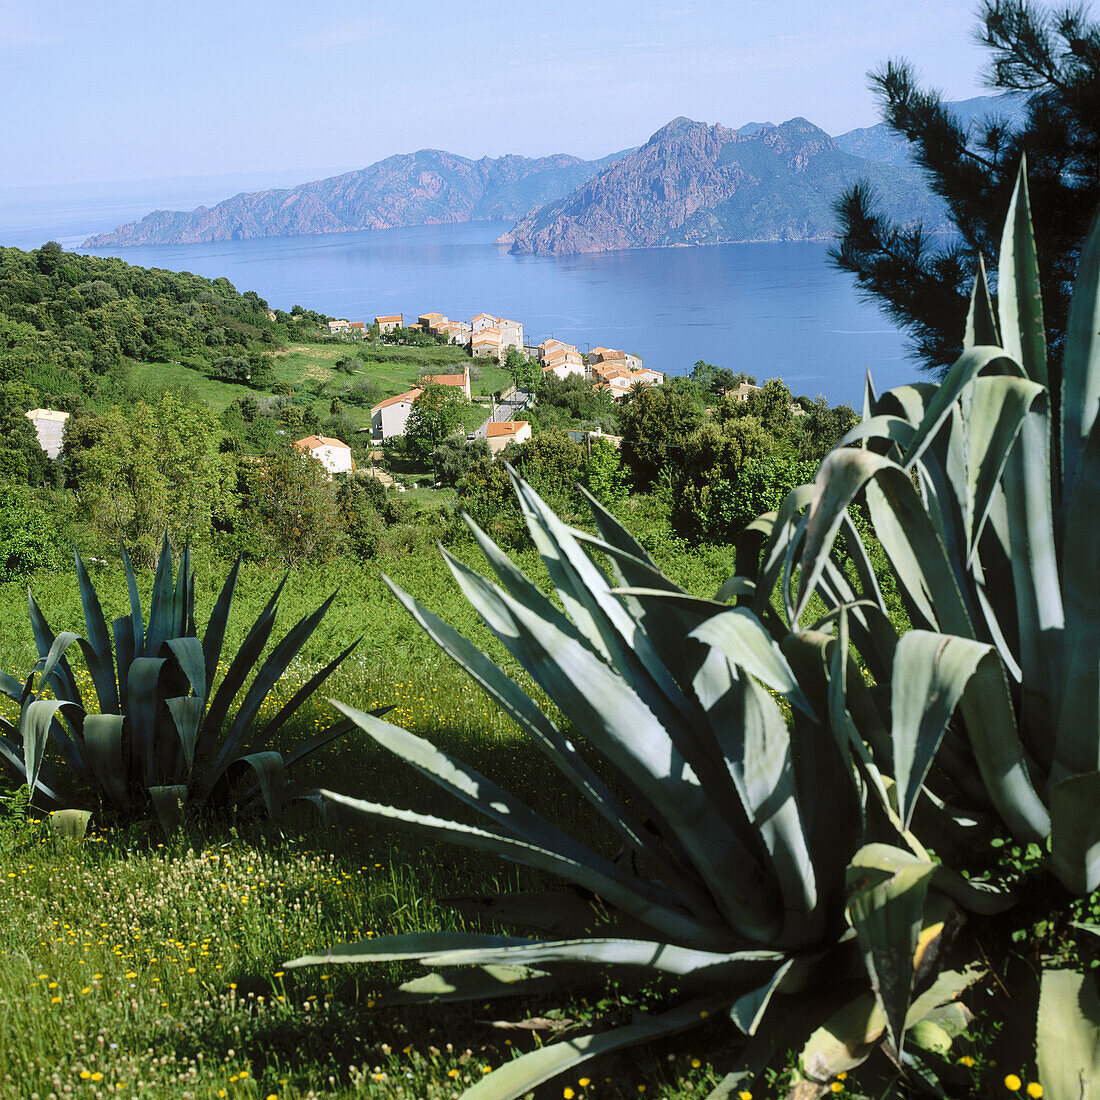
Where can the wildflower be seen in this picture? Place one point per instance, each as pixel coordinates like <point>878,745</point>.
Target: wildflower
<point>967,1061</point>
<point>1034,1089</point>
<point>568,1093</point>
<point>837,1086</point>
<point>584,1082</point>
<point>1013,1083</point>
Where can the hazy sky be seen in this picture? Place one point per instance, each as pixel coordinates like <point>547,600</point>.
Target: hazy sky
<point>123,89</point>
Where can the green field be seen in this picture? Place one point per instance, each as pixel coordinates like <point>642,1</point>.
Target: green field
<point>310,370</point>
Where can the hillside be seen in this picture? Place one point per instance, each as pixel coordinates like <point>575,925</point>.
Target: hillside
<point>428,187</point>
<point>694,184</point>
<point>882,144</point>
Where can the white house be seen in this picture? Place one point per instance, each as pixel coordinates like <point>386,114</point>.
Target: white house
<point>564,368</point>
<point>499,435</point>
<point>390,416</point>
<point>616,356</point>
<point>49,426</point>
<point>333,454</point>
<point>339,326</point>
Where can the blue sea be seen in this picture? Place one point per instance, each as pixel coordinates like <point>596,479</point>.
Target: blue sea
<point>769,309</point>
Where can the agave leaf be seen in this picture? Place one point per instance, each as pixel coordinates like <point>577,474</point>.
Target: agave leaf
<point>676,925</point>
<point>103,745</point>
<point>782,544</point>
<point>36,717</point>
<point>61,677</point>
<point>527,715</point>
<point>186,714</point>
<point>931,672</point>
<point>214,637</point>
<point>887,913</point>
<point>189,655</point>
<point>125,650</point>
<point>1068,1035</point>
<point>614,532</point>
<point>748,1010</point>
<point>13,754</point>
<point>638,740</point>
<point>735,968</point>
<point>959,380</point>
<point>168,803</point>
<point>270,671</point>
<point>103,677</point>
<point>485,796</point>
<point>557,914</point>
<point>163,613</point>
<point>298,698</point>
<point>271,773</point>
<point>70,824</point>
<point>735,588</point>
<point>1075,832</point>
<point>516,1078</point>
<point>137,623</point>
<point>994,421</point>
<point>143,689</point>
<point>1019,294</point>
<point>482,983</point>
<point>738,634</point>
<point>981,321</point>
<point>242,664</point>
<point>1033,554</point>
<point>844,1041</point>
<point>1081,363</point>
<point>888,429</point>
<point>412,946</point>
<point>1076,744</point>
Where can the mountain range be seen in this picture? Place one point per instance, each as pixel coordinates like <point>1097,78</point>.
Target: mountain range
<point>690,183</point>
<point>693,184</point>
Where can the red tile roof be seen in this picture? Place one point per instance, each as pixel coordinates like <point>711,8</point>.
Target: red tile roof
<point>312,442</point>
<point>389,320</point>
<point>411,396</point>
<point>505,427</point>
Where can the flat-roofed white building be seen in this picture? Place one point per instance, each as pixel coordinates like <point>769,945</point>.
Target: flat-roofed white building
<point>49,426</point>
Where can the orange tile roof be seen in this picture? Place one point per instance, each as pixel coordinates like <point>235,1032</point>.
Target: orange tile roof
<point>480,315</point>
<point>411,396</point>
<point>312,442</point>
<point>487,334</point>
<point>356,324</point>
<point>387,320</point>
<point>445,379</point>
<point>504,427</point>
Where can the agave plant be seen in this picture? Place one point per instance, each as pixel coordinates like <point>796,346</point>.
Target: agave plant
<point>736,793</point>
<point>984,492</point>
<point>161,734</point>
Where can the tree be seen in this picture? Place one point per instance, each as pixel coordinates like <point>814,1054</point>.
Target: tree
<point>454,457</point>
<point>435,415</point>
<point>1052,59</point>
<point>145,469</point>
<point>525,372</point>
<point>655,424</point>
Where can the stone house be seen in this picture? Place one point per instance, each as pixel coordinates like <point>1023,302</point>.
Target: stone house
<point>485,343</point>
<point>460,381</point>
<point>388,324</point>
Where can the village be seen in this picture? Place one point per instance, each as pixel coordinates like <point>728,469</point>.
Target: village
<point>487,336</point>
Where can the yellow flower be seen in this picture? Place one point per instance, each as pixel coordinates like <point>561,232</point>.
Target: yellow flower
<point>452,1073</point>
<point>967,1061</point>
<point>837,1086</point>
<point>55,1000</point>
<point>1013,1083</point>
<point>568,1093</point>
<point>1034,1089</point>
<point>86,989</point>
<point>584,1082</point>
<point>97,1076</point>
<point>85,1074</point>
<point>744,1094</point>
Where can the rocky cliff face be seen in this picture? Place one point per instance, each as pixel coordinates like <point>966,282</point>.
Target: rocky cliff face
<point>425,188</point>
<point>696,184</point>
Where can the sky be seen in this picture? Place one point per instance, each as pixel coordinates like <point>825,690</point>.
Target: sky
<point>107,90</point>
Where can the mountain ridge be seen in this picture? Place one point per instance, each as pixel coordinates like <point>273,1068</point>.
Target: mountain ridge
<point>427,187</point>
<point>692,183</point>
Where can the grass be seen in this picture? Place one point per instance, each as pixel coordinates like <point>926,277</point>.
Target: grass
<point>135,966</point>
<point>310,369</point>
